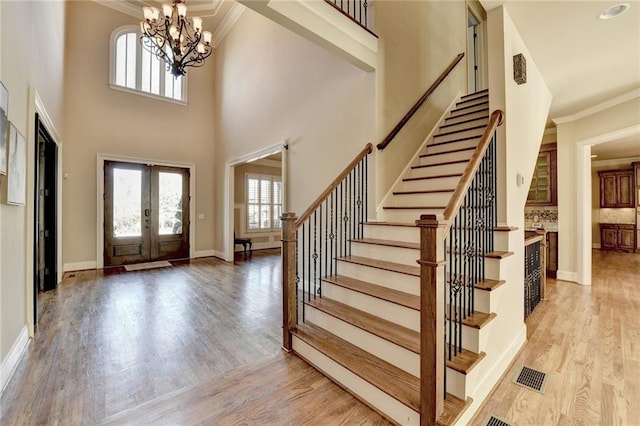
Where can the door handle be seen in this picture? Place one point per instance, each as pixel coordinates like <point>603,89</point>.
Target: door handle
<point>146,212</point>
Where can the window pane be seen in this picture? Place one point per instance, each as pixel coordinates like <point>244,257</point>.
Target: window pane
<point>277,212</point>
<point>265,217</point>
<point>156,68</point>
<point>177,88</point>
<point>121,60</point>
<point>132,41</point>
<point>170,203</point>
<point>252,190</point>
<point>277,192</point>
<point>127,203</point>
<point>253,216</point>
<point>265,191</point>
<point>146,71</point>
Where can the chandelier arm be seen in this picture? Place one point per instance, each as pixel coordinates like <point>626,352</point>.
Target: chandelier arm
<point>152,47</point>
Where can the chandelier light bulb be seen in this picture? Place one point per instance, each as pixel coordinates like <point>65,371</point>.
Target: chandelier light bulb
<point>182,9</point>
<point>197,23</point>
<point>206,37</point>
<point>167,10</point>
<point>155,14</point>
<point>148,13</point>
<point>200,48</point>
<point>174,33</point>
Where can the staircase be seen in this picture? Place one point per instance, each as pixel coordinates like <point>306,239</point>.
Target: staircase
<point>360,323</point>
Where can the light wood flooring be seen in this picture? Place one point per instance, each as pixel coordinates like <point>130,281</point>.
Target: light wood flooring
<point>588,341</point>
<point>196,343</point>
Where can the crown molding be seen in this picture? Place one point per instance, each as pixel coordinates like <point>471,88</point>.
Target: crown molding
<point>227,23</point>
<point>122,7</point>
<point>613,161</point>
<point>598,108</point>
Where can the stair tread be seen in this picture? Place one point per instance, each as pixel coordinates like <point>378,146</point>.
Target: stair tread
<point>414,208</point>
<point>385,293</point>
<point>394,333</point>
<point>453,409</point>
<point>483,119</point>
<point>476,320</point>
<point>462,108</point>
<point>430,191</point>
<point>432,177</point>
<point>488,284</point>
<point>505,228</point>
<point>451,151</point>
<point>479,92</point>
<point>473,97</point>
<point>467,138</point>
<point>465,361</point>
<point>390,243</point>
<point>498,254</point>
<point>451,116</point>
<point>390,379</point>
<point>407,224</point>
<point>444,163</point>
<point>453,132</point>
<point>383,264</point>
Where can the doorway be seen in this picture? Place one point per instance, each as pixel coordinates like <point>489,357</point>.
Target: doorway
<point>476,63</point>
<point>146,213</point>
<point>45,256</point>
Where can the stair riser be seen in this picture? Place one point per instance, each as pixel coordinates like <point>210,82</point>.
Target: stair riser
<point>396,233</point>
<point>401,315</point>
<point>472,101</point>
<point>447,137</point>
<point>410,200</point>
<point>397,281</point>
<point>471,143</point>
<point>445,169</point>
<point>501,241</point>
<point>482,121</point>
<point>459,118</point>
<point>451,156</point>
<point>492,268</point>
<point>471,338</point>
<point>365,391</point>
<point>406,216</point>
<point>429,184</point>
<point>463,111</point>
<point>478,94</point>
<point>461,385</point>
<point>381,348</point>
<point>402,255</point>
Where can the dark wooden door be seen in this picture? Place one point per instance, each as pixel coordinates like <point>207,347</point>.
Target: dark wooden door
<point>146,213</point>
<point>624,183</point>
<point>608,237</point>
<point>608,190</point>
<point>626,238</point>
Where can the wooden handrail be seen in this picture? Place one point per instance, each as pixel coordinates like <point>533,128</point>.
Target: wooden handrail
<point>366,151</point>
<point>497,117</point>
<point>386,141</point>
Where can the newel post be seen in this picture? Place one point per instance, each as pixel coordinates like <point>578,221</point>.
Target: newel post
<point>288,278</point>
<point>432,325</point>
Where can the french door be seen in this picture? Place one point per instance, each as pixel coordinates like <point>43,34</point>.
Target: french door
<point>146,213</point>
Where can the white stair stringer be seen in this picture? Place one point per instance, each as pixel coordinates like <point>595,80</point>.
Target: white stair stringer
<point>364,390</point>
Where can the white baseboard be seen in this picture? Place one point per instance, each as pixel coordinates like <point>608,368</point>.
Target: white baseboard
<point>596,245</point>
<point>261,246</point>
<point>219,254</point>
<point>493,375</point>
<point>204,253</point>
<point>567,276</point>
<point>79,266</point>
<point>14,356</point>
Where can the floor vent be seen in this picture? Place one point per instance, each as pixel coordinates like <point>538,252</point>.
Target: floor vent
<point>531,379</point>
<point>495,421</point>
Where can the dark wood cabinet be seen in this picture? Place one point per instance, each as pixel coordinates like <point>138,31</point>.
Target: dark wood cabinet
<point>617,237</point>
<point>543,189</point>
<point>617,188</point>
<point>552,254</point>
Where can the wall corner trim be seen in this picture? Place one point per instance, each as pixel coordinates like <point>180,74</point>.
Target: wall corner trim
<point>567,276</point>
<point>79,266</point>
<point>12,360</point>
<point>204,253</point>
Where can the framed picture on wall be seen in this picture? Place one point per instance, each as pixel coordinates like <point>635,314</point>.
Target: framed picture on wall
<point>17,168</point>
<point>4,108</point>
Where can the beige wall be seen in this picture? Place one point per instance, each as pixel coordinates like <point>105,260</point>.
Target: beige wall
<point>570,136</point>
<point>273,85</point>
<point>32,52</point>
<point>418,40</point>
<point>99,119</point>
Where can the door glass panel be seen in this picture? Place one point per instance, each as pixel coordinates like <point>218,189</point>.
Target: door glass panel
<point>127,203</point>
<point>170,203</point>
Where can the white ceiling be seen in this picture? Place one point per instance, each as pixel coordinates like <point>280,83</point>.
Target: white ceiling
<point>202,8</point>
<point>585,61</point>
<point>623,148</point>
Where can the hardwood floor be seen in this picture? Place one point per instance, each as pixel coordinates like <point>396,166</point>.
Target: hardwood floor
<point>195,343</point>
<point>588,341</point>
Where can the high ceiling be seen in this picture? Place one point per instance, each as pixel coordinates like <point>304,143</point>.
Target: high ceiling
<point>623,148</point>
<point>584,60</point>
<point>202,8</point>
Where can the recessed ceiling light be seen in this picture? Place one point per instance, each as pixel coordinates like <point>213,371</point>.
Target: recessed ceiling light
<point>614,11</point>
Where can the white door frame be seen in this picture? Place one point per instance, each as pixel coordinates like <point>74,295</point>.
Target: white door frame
<point>35,105</point>
<point>583,201</point>
<point>229,179</point>
<point>150,162</point>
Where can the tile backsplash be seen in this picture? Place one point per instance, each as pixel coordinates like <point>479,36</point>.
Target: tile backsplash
<point>617,216</point>
<point>547,216</point>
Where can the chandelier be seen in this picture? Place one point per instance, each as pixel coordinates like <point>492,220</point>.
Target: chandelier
<point>179,42</point>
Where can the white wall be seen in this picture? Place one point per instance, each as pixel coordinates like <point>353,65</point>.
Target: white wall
<point>99,119</point>
<point>32,53</point>
<point>273,85</point>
